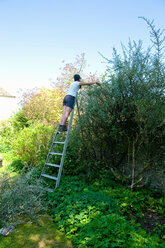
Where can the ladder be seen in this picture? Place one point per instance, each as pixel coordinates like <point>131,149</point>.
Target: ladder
<point>52,153</point>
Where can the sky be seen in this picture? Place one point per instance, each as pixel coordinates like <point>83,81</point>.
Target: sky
<point>37,35</point>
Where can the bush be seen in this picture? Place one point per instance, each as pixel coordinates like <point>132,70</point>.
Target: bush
<point>122,126</point>
<point>20,198</point>
<point>32,143</point>
<point>19,121</point>
<point>17,165</point>
<point>5,135</point>
<point>44,105</point>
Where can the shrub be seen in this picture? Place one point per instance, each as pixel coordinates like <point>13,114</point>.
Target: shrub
<point>5,135</point>
<point>32,143</point>
<point>17,165</point>
<point>121,127</point>
<point>10,128</point>
<point>19,121</point>
<point>44,105</point>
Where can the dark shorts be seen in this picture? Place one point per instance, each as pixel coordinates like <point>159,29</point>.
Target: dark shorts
<point>69,101</point>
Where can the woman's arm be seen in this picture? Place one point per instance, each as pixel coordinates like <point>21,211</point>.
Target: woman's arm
<point>87,83</point>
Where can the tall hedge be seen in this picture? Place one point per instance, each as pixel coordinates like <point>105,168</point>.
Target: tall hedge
<point>121,128</point>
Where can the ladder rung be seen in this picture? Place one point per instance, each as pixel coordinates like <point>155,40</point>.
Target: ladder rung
<point>44,188</point>
<point>51,177</point>
<point>58,142</point>
<point>49,190</point>
<point>56,153</point>
<point>54,165</point>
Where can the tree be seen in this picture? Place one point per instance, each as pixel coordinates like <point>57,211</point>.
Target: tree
<point>123,120</point>
<point>44,106</point>
<point>78,66</point>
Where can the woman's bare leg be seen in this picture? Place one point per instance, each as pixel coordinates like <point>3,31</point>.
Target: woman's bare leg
<point>65,115</point>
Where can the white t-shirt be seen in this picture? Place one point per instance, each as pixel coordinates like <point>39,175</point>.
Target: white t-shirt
<point>73,89</point>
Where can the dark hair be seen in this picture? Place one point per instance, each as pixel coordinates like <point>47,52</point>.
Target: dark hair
<point>77,77</point>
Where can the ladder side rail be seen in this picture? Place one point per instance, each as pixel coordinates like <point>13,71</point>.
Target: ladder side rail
<point>64,150</point>
<point>48,156</point>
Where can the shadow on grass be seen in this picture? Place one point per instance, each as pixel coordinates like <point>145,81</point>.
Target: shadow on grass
<point>42,234</point>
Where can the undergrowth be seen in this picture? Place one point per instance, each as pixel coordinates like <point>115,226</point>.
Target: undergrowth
<point>92,217</point>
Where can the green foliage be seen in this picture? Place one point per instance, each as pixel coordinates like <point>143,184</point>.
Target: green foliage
<point>32,143</point>
<point>20,196</point>
<point>19,121</point>
<point>91,219</point>
<point>122,126</point>
<point>17,165</point>
<point>131,203</point>
<point>160,230</point>
<point>9,156</point>
<point>5,128</point>
<point>3,146</point>
<point>44,106</point>
<point>5,135</point>
<point>11,127</point>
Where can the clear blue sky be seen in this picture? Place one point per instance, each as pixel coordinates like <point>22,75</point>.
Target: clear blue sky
<point>36,35</point>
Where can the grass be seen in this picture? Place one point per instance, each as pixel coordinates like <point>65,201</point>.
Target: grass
<point>42,234</point>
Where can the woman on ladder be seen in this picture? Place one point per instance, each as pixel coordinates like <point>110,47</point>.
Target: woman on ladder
<point>69,100</point>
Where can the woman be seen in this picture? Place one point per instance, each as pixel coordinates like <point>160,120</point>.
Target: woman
<point>69,100</point>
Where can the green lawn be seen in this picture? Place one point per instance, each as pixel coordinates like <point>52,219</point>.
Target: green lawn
<point>42,234</point>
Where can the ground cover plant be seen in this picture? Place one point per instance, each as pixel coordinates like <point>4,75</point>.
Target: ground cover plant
<point>94,216</point>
